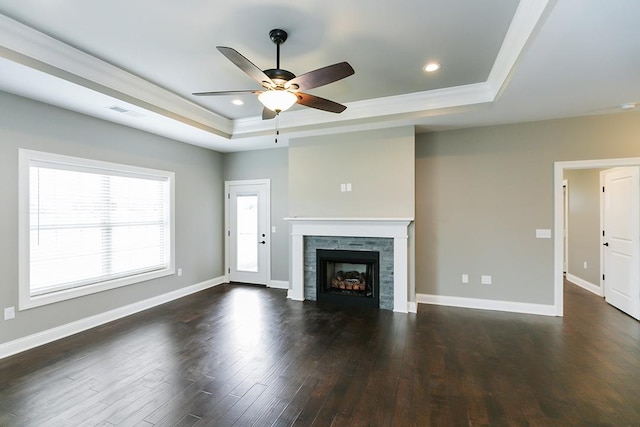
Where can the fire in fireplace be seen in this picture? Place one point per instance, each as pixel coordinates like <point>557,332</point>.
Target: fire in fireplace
<point>348,277</point>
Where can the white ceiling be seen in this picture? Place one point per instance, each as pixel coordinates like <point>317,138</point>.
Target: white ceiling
<point>503,61</point>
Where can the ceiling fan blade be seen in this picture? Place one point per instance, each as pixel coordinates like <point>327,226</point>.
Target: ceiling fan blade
<point>319,103</point>
<point>322,76</point>
<point>226,92</point>
<point>247,66</point>
<point>268,114</point>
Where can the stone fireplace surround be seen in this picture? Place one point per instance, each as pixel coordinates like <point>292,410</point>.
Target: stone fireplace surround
<point>395,228</point>
<point>381,245</point>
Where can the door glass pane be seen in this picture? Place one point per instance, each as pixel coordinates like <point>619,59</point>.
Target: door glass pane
<point>247,237</point>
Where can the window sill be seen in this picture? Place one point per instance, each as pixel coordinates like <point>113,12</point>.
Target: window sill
<point>28,301</point>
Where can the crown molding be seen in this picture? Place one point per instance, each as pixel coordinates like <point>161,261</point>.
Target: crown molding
<point>31,48</point>
<point>419,104</point>
<point>396,107</point>
<point>37,50</point>
<point>526,20</point>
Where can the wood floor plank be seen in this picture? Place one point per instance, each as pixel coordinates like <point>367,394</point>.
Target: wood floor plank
<point>238,355</point>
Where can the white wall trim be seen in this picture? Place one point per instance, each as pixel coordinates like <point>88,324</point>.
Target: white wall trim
<point>278,284</point>
<point>585,284</point>
<point>412,307</point>
<point>485,304</point>
<point>293,296</point>
<point>40,338</point>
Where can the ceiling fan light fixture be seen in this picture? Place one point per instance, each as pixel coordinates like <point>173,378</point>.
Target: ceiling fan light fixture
<point>277,100</point>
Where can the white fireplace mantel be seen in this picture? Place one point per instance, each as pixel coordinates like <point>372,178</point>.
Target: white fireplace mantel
<point>395,228</point>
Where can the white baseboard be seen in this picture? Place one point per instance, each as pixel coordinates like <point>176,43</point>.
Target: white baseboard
<point>22,344</point>
<point>484,304</point>
<point>412,307</point>
<point>278,284</point>
<point>584,284</point>
<point>291,297</point>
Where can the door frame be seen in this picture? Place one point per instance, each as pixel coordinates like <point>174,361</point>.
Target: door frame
<point>558,219</point>
<point>227,225</point>
<point>565,225</point>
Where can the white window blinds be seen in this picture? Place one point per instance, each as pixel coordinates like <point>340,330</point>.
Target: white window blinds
<point>89,225</point>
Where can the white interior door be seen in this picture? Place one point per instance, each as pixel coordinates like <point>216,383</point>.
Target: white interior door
<point>248,231</point>
<point>565,228</point>
<point>621,240</point>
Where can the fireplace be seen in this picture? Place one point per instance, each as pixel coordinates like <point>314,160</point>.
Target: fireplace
<point>348,277</point>
<point>309,234</point>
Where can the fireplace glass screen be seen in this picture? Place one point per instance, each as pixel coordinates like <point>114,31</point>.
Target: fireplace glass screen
<point>349,277</point>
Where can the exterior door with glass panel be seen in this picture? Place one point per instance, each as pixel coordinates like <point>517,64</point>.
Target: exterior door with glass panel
<point>248,231</point>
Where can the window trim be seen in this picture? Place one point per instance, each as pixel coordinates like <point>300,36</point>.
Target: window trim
<point>25,159</point>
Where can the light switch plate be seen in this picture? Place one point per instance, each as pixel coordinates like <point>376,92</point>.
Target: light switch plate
<point>543,233</point>
<point>485,280</point>
<point>9,313</point>
<point>343,187</point>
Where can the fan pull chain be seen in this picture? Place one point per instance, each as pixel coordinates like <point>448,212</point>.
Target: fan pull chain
<point>277,127</point>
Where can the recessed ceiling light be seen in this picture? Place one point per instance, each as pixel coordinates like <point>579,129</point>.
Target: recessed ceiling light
<point>431,67</point>
<point>237,102</point>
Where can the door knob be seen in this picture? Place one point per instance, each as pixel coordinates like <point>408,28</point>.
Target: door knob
<point>605,244</point>
<point>263,242</point>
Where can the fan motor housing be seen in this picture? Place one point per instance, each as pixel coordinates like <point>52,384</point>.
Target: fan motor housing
<point>279,74</point>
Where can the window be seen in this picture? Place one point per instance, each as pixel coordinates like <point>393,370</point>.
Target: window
<point>87,226</point>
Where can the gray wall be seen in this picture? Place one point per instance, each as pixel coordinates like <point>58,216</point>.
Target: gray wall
<point>481,193</point>
<point>199,209</point>
<point>584,224</point>
<point>379,165</point>
<point>268,164</point>
<point>479,196</point>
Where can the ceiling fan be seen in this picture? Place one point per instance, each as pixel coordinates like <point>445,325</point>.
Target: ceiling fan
<point>282,88</point>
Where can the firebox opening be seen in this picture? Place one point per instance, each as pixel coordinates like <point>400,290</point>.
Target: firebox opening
<point>348,277</point>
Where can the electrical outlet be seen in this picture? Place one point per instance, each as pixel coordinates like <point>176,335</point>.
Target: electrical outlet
<point>585,265</point>
<point>465,278</point>
<point>9,313</point>
<point>273,228</point>
<point>485,280</point>
<point>179,272</point>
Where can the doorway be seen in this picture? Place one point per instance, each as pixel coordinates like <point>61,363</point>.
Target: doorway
<point>247,225</point>
<point>559,249</point>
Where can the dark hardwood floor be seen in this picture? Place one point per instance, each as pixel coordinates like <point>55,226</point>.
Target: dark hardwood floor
<point>245,356</point>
